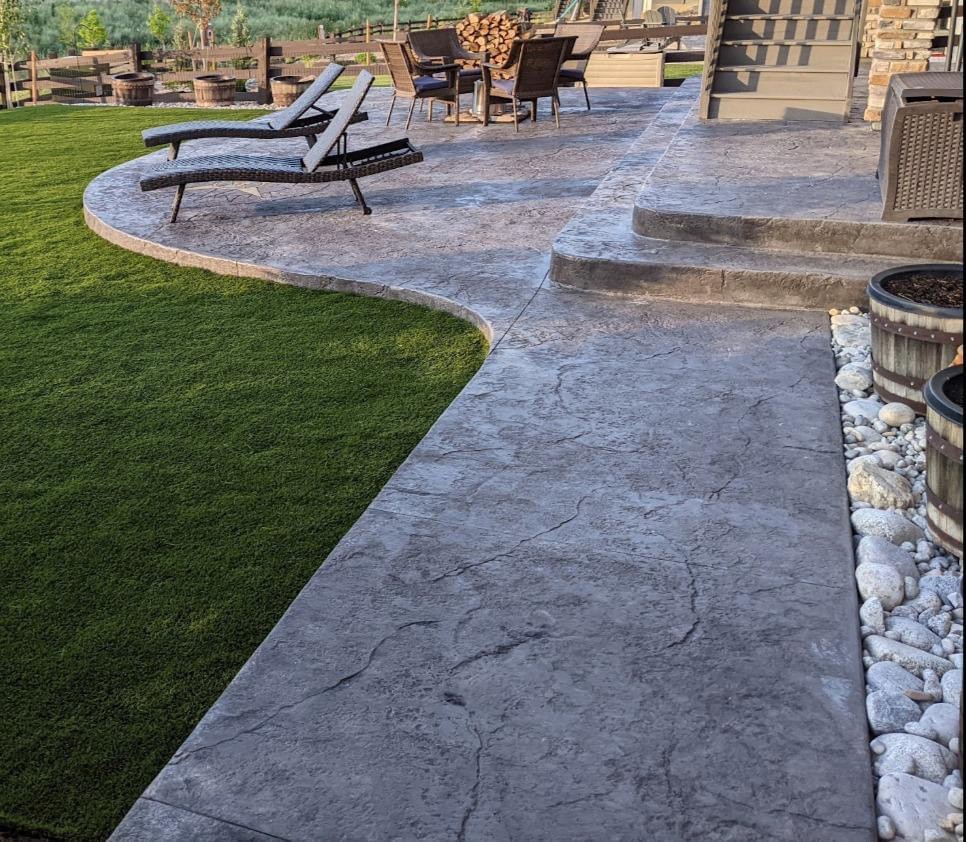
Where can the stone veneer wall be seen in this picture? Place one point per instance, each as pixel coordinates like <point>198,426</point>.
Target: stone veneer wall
<point>901,44</point>
<point>871,27</point>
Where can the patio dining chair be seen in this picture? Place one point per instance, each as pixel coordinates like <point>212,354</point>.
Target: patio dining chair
<point>303,118</point>
<point>443,46</point>
<point>328,160</point>
<point>534,71</point>
<point>415,80</point>
<point>588,37</point>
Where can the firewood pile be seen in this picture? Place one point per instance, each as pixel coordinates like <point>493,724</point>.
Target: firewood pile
<point>493,34</point>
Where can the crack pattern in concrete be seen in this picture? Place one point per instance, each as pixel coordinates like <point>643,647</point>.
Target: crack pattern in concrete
<point>607,597</point>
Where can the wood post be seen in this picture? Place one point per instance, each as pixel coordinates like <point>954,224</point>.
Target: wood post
<point>135,49</point>
<point>3,82</point>
<point>263,53</point>
<point>33,77</point>
<point>368,39</point>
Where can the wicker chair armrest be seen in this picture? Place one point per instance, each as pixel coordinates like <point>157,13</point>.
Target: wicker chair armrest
<point>434,67</point>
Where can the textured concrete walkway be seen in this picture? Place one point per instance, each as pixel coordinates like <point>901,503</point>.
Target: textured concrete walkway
<point>608,597</point>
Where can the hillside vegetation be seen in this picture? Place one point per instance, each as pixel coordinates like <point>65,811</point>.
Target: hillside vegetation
<point>126,20</point>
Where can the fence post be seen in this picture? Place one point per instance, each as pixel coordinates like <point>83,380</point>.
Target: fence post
<point>135,49</point>
<point>33,77</point>
<point>368,39</point>
<point>263,52</point>
<point>3,82</point>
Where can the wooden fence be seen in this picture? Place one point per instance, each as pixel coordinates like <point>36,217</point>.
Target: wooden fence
<point>87,79</point>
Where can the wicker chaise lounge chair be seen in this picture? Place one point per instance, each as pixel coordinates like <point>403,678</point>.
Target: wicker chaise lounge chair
<point>328,160</point>
<point>303,118</point>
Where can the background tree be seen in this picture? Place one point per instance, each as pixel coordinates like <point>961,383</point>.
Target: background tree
<point>239,31</point>
<point>200,12</point>
<point>67,22</point>
<point>11,40</point>
<point>159,25</point>
<point>91,32</point>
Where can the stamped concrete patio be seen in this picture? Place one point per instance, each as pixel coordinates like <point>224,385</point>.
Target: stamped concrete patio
<point>609,596</point>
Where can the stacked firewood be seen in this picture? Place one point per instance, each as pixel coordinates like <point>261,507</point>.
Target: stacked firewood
<point>493,34</point>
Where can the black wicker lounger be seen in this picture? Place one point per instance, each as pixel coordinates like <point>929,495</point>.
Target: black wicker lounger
<point>303,118</point>
<point>328,160</point>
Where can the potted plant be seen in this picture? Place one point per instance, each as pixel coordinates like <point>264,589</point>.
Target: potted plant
<point>917,322</point>
<point>944,457</point>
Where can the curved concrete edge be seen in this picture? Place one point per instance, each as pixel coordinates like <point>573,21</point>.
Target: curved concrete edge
<point>825,236</point>
<point>234,268</point>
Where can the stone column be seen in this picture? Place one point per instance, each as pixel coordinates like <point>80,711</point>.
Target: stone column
<point>871,27</point>
<point>902,44</point>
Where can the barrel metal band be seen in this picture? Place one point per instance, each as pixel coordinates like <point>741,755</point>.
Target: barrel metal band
<point>892,397</point>
<point>924,334</point>
<point>947,509</point>
<point>946,539</point>
<point>912,382</point>
<point>943,446</point>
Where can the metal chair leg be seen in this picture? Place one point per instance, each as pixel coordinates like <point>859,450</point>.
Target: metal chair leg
<point>366,210</point>
<point>516,118</point>
<point>409,119</point>
<point>457,107</point>
<point>177,202</point>
<point>556,110</point>
<point>586,96</point>
<point>533,110</point>
<point>173,151</point>
<point>432,102</point>
<point>392,105</point>
<point>311,140</point>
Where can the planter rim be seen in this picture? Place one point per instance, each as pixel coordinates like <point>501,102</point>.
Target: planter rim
<point>288,80</point>
<point>215,78</point>
<point>936,397</point>
<point>134,77</point>
<point>883,296</point>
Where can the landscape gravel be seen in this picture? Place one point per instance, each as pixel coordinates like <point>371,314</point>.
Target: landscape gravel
<point>909,602</point>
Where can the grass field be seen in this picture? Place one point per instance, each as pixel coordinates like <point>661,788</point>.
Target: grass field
<point>179,453</point>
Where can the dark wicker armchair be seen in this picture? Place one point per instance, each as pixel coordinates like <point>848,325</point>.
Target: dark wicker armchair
<point>588,37</point>
<point>416,80</point>
<point>443,46</point>
<point>534,68</point>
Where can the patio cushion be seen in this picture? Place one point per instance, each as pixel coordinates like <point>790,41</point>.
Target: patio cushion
<point>429,83</point>
<point>574,74</point>
<point>505,85</point>
<point>471,73</point>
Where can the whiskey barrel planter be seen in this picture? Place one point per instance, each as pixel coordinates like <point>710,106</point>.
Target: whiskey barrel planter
<point>287,89</point>
<point>215,90</point>
<point>911,341</point>
<point>944,457</point>
<point>133,88</point>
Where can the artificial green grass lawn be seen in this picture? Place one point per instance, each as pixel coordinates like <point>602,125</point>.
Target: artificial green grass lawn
<point>178,453</point>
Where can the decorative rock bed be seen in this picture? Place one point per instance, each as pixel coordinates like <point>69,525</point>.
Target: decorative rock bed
<point>911,613</point>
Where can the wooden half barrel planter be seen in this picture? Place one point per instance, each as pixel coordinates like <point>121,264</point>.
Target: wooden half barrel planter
<point>215,90</point>
<point>911,341</point>
<point>287,89</point>
<point>133,88</point>
<point>944,458</point>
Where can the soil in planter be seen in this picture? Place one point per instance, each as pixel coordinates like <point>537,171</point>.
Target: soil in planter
<point>954,390</point>
<point>940,289</point>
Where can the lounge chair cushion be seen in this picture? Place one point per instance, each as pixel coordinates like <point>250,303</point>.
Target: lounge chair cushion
<point>573,75</point>
<point>429,83</point>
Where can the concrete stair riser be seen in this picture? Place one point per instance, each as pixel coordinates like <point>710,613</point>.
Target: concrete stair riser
<point>900,240</point>
<point>823,55</point>
<point>782,83</point>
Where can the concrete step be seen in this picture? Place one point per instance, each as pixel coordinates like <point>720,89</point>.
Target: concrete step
<point>753,106</point>
<point>789,7</point>
<point>815,236</point>
<point>771,28</point>
<point>633,265</point>
<point>782,81</point>
<point>814,54</point>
